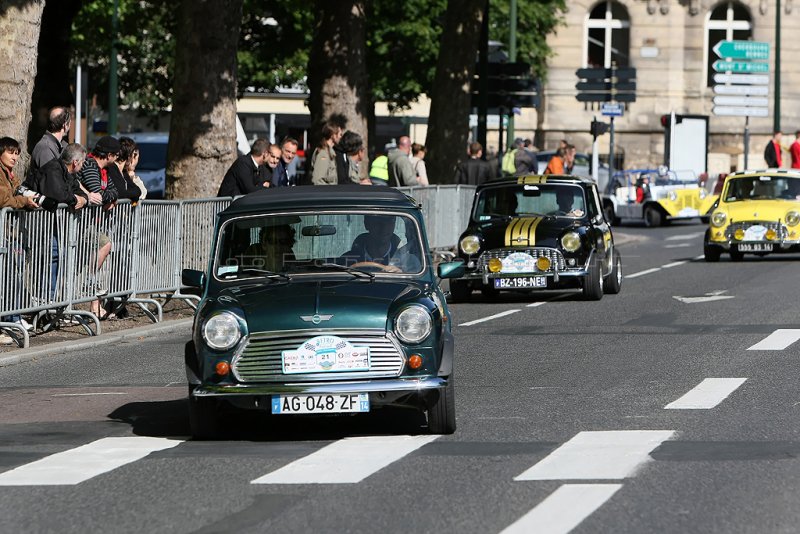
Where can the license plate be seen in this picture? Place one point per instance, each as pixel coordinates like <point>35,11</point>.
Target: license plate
<point>755,247</point>
<point>333,403</point>
<point>522,282</point>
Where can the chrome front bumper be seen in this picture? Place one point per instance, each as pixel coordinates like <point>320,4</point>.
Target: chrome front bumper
<point>409,385</point>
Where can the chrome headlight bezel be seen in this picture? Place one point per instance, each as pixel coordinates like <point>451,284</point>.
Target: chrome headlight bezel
<point>571,241</point>
<point>792,218</point>
<point>718,218</point>
<point>414,324</point>
<point>470,244</point>
<point>222,330</point>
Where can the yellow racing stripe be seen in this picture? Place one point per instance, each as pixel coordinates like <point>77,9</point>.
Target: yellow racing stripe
<point>531,180</point>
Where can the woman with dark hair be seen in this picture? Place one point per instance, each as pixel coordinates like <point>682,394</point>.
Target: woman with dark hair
<point>125,186</point>
<point>9,183</point>
<point>129,156</point>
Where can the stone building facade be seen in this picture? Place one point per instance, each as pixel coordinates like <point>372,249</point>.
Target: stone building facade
<point>670,43</point>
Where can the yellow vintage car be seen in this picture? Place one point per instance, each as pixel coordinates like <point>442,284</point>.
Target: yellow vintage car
<point>758,213</point>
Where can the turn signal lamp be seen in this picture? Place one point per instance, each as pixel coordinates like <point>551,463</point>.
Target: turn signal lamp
<point>718,219</point>
<point>739,234</point>
<point>792,218</point>
<point>222,368</point>
<point>772,235</point>
<point>415,361</point>
<point>495,265</point>
<point>543,264</point>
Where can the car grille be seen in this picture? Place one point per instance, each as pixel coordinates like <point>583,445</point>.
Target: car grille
<point>555,257</point>
<point>780,230</point>
<point>260,360</point>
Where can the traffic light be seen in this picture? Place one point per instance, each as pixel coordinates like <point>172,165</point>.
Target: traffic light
<point>598,128</point>
<point>664,121</point>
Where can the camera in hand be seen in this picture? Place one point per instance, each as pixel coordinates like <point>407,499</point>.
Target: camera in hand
<point>42,201</point>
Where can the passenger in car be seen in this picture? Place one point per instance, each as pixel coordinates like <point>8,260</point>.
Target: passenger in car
<point>274,249</point>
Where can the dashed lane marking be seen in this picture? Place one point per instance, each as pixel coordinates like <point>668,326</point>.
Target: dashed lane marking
<point>674,264</point>
<point>681,237</point>
<point>706,395</point>
<point>778,340</point>
<point>601,455</point>
<point>495,316</point>
<point>642,273</point>
<point>564,509</point>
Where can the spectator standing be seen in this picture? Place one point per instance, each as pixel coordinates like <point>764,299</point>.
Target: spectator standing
<point>794,150</point>
<point>473,171</point>
<point>281,176</point>
<point>401,172</point>
<point>125,186</point>
<point>508,163</point>
<point>379,171</point>
<point>247,173</point>
<point>772,152</point>
<point>418,163</point>
<point>129,153</point>
<point>323,161</point>
<point>49,146</point>
<point>350,153</point>
<point>562,161</point>
<point>525,159</point>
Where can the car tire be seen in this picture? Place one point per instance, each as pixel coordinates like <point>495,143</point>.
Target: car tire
<point>593,282</point>
<point>204,417</point>
<point>613,282</point>
<point>652,217</point>
<point>442,412</point>
<point>459,291</point>
<point>608,213</point>
<point>711,253</point>
<point>736,255</point>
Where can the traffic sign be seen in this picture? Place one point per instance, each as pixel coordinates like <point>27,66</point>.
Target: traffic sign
<point>758,101</point>
<point>752,79</point>
<point>741,111</point>
<point>608,109</point>
<point>753,90</point>
<point>742,50</point>
<point>625,73</point>
<point>605,86</point>
<point>740,66</point>
<point>606,97</point>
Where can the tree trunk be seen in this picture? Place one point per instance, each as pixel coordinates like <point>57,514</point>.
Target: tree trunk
<point>337,69</point>
<point>20,24</point>
<point>202,136</point>
<point>448,123</point>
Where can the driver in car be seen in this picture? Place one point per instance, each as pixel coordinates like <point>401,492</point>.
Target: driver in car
<point>566,203</point>
<point>379,247</point>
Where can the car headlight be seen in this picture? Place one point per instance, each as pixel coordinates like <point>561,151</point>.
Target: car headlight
<point>719,218</point>
<point>792,218</point>
<point>221,331</point>
<point>571,241</point>
<point>413,324</point>
<point>673,196</point>
<point>470,244</point>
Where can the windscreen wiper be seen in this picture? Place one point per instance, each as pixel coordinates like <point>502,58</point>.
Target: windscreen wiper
<point>272,275</point>
<point>355,272</point>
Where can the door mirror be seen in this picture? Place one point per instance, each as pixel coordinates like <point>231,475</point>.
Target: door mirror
<point>192,278</point>
<point>451,269</point>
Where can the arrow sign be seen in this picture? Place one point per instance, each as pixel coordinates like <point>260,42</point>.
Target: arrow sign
<point>741,101</point>
<point>742,50</point>
<point>708,297</point>
<point>740,66</point>
<point>752,79</point>
<point>605,86</point>
<point>754,90</point>
<point>740,111</point>
<point>601,74</point>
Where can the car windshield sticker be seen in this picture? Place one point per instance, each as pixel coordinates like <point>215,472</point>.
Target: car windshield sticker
<point>227,269</point>
<point>521,232</point>
<point>324,354</point>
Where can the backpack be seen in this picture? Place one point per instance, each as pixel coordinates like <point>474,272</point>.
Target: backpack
<point>508,166</point>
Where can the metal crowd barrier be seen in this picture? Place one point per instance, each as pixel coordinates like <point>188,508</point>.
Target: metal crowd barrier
<point>446,210</point>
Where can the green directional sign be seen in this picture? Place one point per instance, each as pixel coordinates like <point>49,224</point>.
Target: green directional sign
<point>742,50</point>
<point>740,66</point>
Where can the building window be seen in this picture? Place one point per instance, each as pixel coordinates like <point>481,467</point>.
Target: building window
<point>607,36</point>
<point>728,21</point>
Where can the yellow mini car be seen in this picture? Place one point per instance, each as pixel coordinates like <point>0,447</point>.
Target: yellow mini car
<point>757,213</point>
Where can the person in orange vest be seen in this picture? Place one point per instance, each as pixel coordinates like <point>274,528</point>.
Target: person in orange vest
<point>562,162</point>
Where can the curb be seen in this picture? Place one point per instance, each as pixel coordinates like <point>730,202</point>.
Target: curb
<point>63,347</point>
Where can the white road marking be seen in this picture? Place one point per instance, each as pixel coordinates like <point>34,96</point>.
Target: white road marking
<point>346,461</point>
<point>707,298</point>
<point>706,395</point>
<point>495,316</point>
<point>88,394</point>
<point>778,340</point>
<point>603,455</point>
<point>681,237</point>
<point>82,463</point>
<point>564,509</point>
<point>642,273</point>
<point>535,304</point>
<point>674,264</point>
<point>679,245</point>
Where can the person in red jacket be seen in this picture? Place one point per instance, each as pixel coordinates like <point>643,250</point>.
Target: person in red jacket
<point>794,150</point>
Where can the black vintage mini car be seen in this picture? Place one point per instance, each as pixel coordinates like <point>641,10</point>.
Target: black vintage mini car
<point>534,233</point>
<point>321,300</point>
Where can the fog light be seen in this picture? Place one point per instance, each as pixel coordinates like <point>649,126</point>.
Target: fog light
<point>543,263</point>
<point>495,265</point>
<point>415,361</point>
<point>739,234</point>
<point>222,368</point>
<point>772,235</point>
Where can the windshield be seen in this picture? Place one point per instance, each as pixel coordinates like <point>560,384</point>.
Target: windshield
<point>762,188</point>
<point>354,243</point>
<point>558,200</point>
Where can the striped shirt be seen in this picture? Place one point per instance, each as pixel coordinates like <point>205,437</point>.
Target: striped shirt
<point>91,178</point>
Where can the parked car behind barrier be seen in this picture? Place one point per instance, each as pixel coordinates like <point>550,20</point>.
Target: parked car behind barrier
<point>152,166</point>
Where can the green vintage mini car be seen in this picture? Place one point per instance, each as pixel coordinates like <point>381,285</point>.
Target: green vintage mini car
<point>321,300</point>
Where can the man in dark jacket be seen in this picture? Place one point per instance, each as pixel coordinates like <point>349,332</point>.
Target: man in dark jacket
<point>474,171</point>
<point>772,152</point>
<point>49,146</point>
<point>56,179</point>
<point>248,173</point>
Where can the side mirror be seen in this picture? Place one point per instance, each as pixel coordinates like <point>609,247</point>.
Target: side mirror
<point>451,269</point>
<point>192,278</point>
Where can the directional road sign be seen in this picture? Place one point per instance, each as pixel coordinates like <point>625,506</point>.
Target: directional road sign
<point>758,101</point>
<point>742,50</point>
<point>624,73</point>
<point>741,111</point>
<point>751,79</point>
<point>740,66</point>
<point>745,90</point>
<point>609,109</point>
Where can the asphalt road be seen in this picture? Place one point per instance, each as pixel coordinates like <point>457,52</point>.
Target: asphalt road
<point>654,410</point>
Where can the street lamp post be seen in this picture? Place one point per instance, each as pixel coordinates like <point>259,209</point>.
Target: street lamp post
<point>777,107</point>
<point>512,58</point>
<point>112,72</point>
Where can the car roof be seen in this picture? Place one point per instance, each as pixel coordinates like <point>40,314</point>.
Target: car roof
<point>302,197</point>
<point>794,173</point>
<point>147,137</point>
<point>538,179</point>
